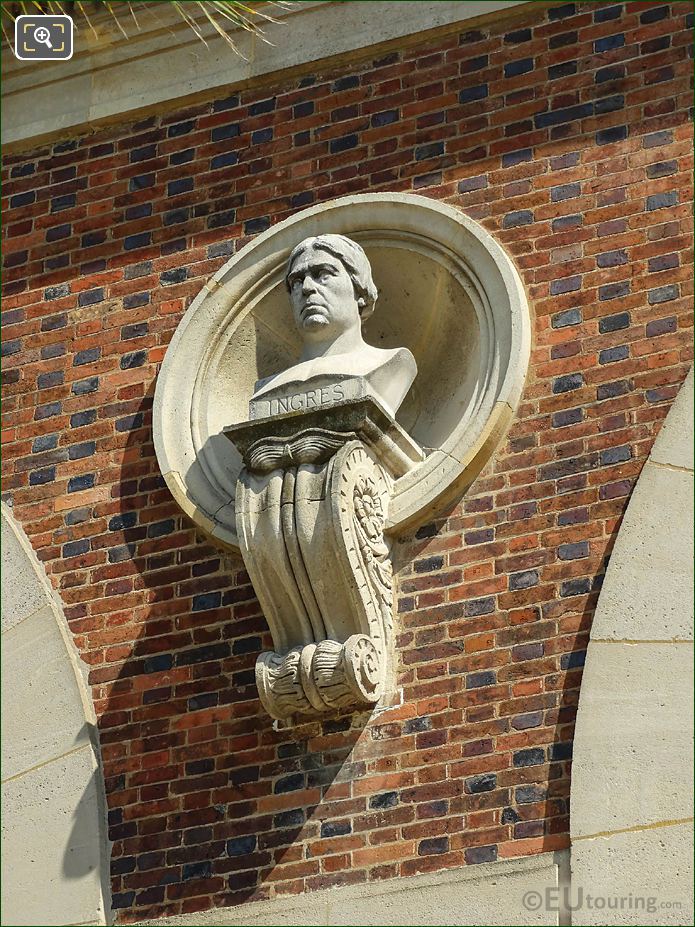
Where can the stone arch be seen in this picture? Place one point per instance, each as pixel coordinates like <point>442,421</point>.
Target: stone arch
<point>631,801</point>
<point>55,854</point>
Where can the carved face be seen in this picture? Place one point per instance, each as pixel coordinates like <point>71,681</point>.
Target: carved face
<point>322,294</point>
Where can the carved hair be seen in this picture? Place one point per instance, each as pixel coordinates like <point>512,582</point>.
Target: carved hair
<point>353,258</point>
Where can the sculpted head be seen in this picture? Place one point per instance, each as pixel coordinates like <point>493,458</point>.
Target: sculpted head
<point>330,285</point>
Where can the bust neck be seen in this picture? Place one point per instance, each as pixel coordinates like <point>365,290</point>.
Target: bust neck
<point>346,342</point>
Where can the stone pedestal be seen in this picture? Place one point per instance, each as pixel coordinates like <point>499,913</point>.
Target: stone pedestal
<point>311,504</point>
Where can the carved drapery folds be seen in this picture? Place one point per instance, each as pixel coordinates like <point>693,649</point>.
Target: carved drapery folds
<point>311,505</point>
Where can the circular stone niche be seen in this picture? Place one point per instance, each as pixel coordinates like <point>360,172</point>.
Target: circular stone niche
<point>447,291</point>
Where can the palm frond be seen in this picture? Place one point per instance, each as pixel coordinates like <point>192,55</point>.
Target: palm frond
<point>223,15</point>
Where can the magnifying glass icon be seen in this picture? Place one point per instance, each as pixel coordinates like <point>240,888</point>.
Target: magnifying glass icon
<point>42,35</point>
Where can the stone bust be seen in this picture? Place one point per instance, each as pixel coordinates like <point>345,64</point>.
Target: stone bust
<point>331,290</point>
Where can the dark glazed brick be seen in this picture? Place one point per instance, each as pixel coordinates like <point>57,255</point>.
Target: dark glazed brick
<point>614,290</point>
<point>90,297</point>
<point>135,300</point>
<point>514,219</point>
<point>261,136</point>
<point>48,410</point>
<point>159,529</point>
<point>663,294</point>
<point>662,262</point>
<point>87,356</point>
<point>517,157</point>
<point>429,564</point>
<point>285,819</point>
<point>335,828</point>
<point>56,292</point>
<point>662,200</point>
<point>573,551</point>
<point>523,580</point>
<point>565,38</point>
<point>561,12</point>
<point>567,222</point>
<point>78,451</point>
<point>39,477</point>
<point>59,232</point>
<point>566,191</point>
<point>203,654</point>
<point>175,275</point>
<point>609,43</point>
<point>611,355</point>
<point>206,601</point>
<point>565,318</point>
<point>514,38</point>
<point>122,521</point>
<point>533,756</point>
<point>63,202</point>
<point>565,69</point>
<point>567,417</point>
<point>614,323</point>
<point>385,800</point>
<point>263,106</point>
<point>44,443</point>
<point>129,423</point>
<point>565,285</point>
<point>609,104</point>
<point>433,150</point>
<point>528,794</point>
<point>478,680</point>
<point>485,783</point>
<point>661,327</point>
<point>227,103</point>
<point>343,144</point>
<point>479,92</point>
<point>141,182</point>
<point>475,855</point>
<point>133,359</point>
<point>475,607</point>
<point>223,160</point>
<point>86,417</point>
<point>575,587</point>
<point>75,548</point>
<point>608,13</point>
<point>183,185</point>
<point>472,183</point>
<point>253,226</point>
<point>48,380</point>
<point>82,387</point>
<point>611,390</point>
<point>346,83</point>
<point>10,347</point>
<point>515,68</point>
<point>142,211</point>
<point>653,14</point>
<point>432,846</point>
<point>222,132</point>
<point>78,483</point>
<point>568,382</point>
<point>22,199</point>
<point>289,783</point>
<point>559,116</point>
<point>614,455</point>
<point>573,660</point>
<point>611,258</point>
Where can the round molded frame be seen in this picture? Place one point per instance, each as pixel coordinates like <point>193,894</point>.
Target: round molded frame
<point>448,292</point>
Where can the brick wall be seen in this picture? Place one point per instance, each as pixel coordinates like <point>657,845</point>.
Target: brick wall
<point>565,133</point>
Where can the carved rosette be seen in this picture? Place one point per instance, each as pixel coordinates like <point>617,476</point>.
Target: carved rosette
<point>312,537</point>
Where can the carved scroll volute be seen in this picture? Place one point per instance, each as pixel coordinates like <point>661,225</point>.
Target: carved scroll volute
<point>313,543</point>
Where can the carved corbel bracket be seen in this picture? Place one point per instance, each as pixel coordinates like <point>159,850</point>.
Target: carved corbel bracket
<point>311,505</point>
